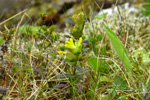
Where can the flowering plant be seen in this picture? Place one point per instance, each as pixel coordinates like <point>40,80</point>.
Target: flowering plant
<point>76,31</point>
<point>73,53</point>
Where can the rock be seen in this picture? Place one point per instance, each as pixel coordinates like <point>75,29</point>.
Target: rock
<point>6,5</point>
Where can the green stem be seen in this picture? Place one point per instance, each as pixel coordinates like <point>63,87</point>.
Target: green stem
<point>74,70</point>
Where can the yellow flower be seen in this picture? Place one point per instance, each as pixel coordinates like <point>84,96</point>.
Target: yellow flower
<point>74,47</point>
<point>61,52</point>
<point>80,39</point>
<point>70,43</point>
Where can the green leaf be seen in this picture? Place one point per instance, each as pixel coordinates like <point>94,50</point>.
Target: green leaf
<point>101,16</point>
<point>104,79</point>
<point>93,62</point>
<point>148,0</point>
<point>80,70</point>
<point>120,84</point>
<point>96,63</point>
<point>146,6</point>
<point>146,13</point>
<point>27,29</point>
<point>93,40</point>
<point>119,48</point>
<point>1,40</point>
<point>146,9</point>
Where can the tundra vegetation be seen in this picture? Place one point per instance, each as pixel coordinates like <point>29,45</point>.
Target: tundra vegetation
<point>105,57</point>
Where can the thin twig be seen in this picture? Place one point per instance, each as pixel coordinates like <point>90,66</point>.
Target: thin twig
<point>12,17</point>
